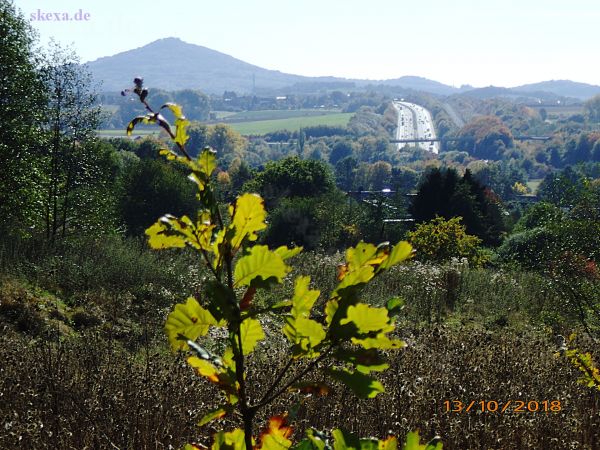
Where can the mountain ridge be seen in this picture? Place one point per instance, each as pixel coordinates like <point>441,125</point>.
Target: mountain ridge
<point>173,64</point>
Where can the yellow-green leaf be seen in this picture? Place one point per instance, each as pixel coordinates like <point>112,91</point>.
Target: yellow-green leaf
<point>248,217</point>
<point>413,442</point>
<point>251,332</point>
<point>331,308</point>
<point>381,341</point>
<point>232,440</point>
<point>260,264</point>
<point>192,447</point>
<point>310,331</point>
<point>286,252</point>
<point>181,135</point>
<point>159,239</point>
<point>304,298</point>
<point>204,368</point>
<point>343,440</point>
<point>362,385</point>
<point>217,245</point>
<point>207,161</point>
<point>175,109</point>
<point>276,435</point>
<point>365,361</point>
<point>228,359</point>
<point>401,252</point>
<point>391,443</point>
<point>187,322</point>
<point>363,254</point>
<point>218,413</point>
<point>306,333</point>
<point>139,119</point>
<point>355,278</point>
<point>163,233</point>
<point>171,231</point>
<point>368,318</point>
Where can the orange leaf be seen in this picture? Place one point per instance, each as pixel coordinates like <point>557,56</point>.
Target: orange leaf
<point>277,433</point>
<point>342,270</point>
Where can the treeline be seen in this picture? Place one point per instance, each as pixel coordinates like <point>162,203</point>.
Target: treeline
<point>199,106</point>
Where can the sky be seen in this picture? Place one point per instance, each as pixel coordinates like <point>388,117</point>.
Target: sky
<point>481,43</point>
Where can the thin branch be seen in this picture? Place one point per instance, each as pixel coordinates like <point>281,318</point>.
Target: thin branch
<point>294,379</point>
<point>207,259</point>
<point>87,416</point>
<point>279,377</point>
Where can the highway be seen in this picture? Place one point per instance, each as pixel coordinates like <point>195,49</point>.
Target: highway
<point>415,122</point>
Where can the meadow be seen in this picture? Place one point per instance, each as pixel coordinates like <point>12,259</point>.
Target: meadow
<point>87,364</point>
<point>120,133</point>
<point>256,123</point>
<point>274,114</point>
<point>261,127</point>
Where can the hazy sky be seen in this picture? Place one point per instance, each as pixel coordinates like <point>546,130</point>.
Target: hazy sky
<point>478,42</point>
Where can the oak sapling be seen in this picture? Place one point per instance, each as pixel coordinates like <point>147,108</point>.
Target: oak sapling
<point>349,337</point>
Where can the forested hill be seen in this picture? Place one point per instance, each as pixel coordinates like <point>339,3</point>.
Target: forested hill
<point>565,88</point>
<point>172,64</point>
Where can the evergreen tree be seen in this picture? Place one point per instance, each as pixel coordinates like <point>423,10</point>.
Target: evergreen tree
<point>443,193</point>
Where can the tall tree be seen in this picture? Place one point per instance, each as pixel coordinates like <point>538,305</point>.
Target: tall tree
<point>292,177</point>
<point>72,163</point>
<point>486,137</point>
<point>592,108</point>
<point>22,99</point>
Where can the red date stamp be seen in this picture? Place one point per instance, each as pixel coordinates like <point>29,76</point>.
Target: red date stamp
<point>509,406</point>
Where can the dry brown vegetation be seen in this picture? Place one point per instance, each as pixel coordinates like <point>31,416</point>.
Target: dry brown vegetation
<point>76,374</point>
<point>88,393</point>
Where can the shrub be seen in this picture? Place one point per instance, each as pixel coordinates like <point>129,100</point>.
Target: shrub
<point>440,240</point>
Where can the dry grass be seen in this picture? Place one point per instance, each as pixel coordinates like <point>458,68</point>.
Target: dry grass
<point>78,375</point>
<point>88,392</point>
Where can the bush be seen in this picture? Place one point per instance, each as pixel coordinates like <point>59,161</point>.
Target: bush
<point>292,177</point>
<point>440,240</point>
<point>540,247</point>
<point>151,188</point>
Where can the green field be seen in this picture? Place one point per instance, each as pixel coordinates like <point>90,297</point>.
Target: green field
<point>259,127</point>
<point>277,114</point>
<point>120,133</point>
<point>253,123</point>
<point>561,111</point>
<point>223,114</point>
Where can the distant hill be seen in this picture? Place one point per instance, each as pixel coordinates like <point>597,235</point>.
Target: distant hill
<point>534,96</point>
<point>563,88</point>
<point>421,84</point>
<point>172,64</point>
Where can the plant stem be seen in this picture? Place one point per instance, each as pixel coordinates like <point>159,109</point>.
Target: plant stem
<point>168,130</point>
<point>279,377</point>
<point>297,377</point>
<point>238,351</point>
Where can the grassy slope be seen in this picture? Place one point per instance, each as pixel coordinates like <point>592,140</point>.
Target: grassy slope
<point>276,114</point>
<point>121,133</point>
<point>292,124</point>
